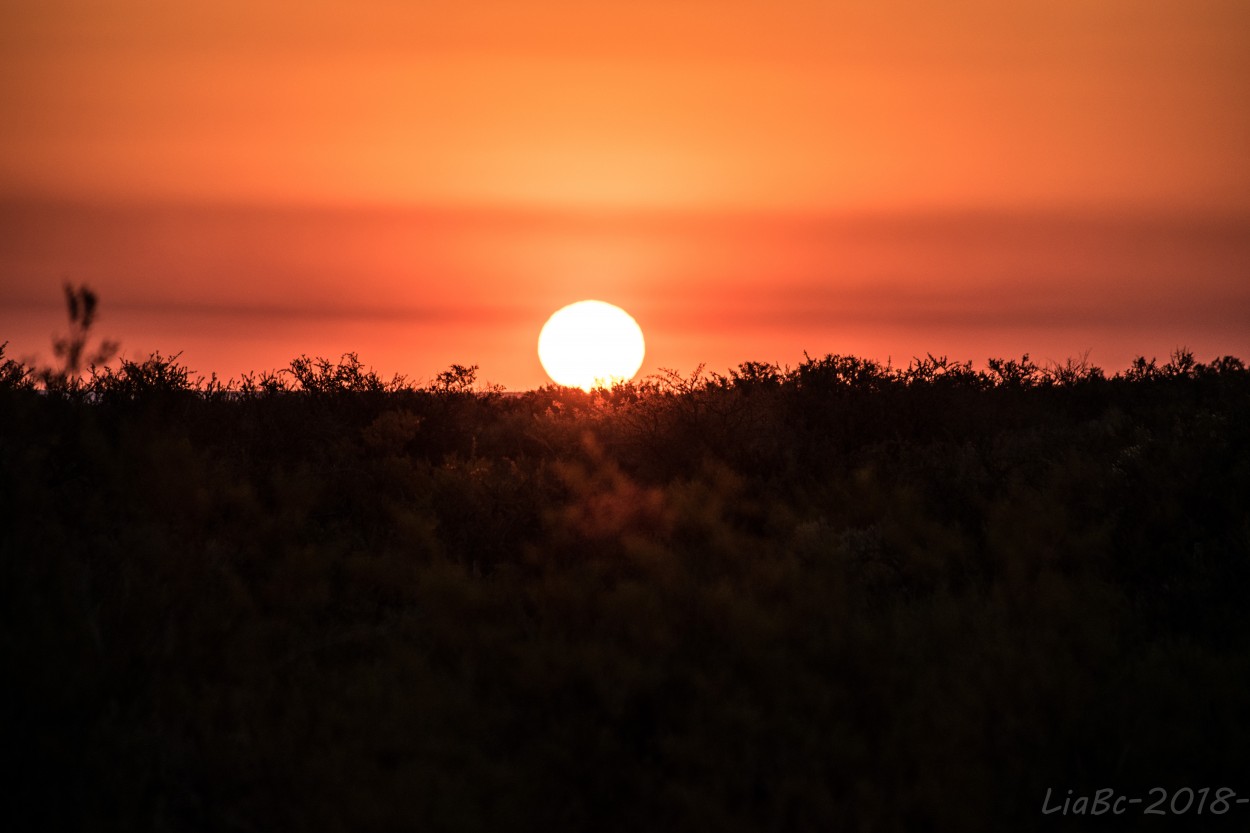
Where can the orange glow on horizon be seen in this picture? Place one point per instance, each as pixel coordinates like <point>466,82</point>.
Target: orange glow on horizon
<point>750,179</point>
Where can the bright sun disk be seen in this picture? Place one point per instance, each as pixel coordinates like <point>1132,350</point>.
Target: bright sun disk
<point>589,344</point>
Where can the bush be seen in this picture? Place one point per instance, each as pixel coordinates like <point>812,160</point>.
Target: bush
<point>841,595</point>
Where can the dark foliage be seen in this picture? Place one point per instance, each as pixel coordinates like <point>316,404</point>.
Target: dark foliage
<point>74,349</point>
<point>840,596</point>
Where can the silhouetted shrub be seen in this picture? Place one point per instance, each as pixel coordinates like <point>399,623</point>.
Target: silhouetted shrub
<point>155,376</point>
<point>320,376</point>
<point>1012,373</point>
<point>74,349</point>
<point>456,379</point>
<point>838,596</point>
<point>14,375</point>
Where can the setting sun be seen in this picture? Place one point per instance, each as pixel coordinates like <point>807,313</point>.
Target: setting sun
<point>589,344</point>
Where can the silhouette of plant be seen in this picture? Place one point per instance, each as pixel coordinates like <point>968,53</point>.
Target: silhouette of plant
<point>1014,374</point>
<point>835,372</point>
<point>456,379</point>
<point>933,369</point>
<point>264,383</point>
<point>1073,371</point>
<point>842,596</point>
<point>155,375</point>
<point>13,374</point>
<point>1181,364</point>
<point>73,349</point>
<point>347,375</point>
<point>1222,366</point>
<point>754,376</point>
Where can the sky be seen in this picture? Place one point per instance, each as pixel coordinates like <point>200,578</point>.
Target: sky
<point>424,183</point>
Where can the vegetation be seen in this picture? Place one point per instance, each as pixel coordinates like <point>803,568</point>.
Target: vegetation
<point>839,596</point>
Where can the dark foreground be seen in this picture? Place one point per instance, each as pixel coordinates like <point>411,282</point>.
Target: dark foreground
<point>839,598</point>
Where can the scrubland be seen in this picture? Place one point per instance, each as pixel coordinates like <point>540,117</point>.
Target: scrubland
<point>839,596</point>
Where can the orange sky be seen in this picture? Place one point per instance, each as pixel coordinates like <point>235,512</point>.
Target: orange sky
<point>798,173</point>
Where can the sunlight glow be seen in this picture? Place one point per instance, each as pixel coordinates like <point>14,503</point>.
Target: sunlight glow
<point>591,344</point>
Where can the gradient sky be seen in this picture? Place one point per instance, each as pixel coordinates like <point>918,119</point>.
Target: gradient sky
<point>424,182</point>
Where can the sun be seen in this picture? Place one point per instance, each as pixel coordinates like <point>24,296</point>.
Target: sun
<point>590,344</point>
